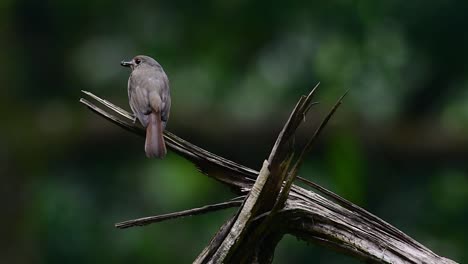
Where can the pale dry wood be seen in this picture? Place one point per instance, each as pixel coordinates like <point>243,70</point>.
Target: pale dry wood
<point>251,241</point>
<point>327,220</point>
<point>245,216</point>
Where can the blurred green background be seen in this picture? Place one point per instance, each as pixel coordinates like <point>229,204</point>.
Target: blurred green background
<point>397,147</point>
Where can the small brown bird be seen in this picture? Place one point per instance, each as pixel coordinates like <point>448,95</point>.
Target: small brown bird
<point>150,101</point>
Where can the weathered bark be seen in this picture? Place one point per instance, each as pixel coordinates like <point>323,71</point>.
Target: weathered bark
<point>273,206</point>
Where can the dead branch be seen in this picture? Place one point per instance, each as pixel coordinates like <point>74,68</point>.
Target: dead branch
<point>274,206</point>
<point>195,211</point>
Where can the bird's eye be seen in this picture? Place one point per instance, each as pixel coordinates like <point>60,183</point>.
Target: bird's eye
<point>137,61</point>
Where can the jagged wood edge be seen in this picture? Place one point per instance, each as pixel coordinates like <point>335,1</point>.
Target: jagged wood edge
<point>236,247</point>
<point>291,176</point>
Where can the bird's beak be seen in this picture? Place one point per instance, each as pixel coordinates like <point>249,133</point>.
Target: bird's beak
<point>126,63</point>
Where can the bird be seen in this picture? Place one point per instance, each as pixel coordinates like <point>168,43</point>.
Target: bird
<point>150,100</point>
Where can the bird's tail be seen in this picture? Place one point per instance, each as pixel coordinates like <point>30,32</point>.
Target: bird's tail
<point>154,144</point>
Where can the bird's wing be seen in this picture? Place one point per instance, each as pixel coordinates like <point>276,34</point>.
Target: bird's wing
<point>138,98</point>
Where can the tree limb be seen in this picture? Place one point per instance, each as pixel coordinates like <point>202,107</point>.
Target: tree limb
<point>327,220</point>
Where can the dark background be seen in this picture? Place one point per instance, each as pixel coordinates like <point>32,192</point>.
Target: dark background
<point>398,146</point>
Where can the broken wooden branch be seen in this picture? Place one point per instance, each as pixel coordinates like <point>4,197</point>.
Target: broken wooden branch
<point>190,212</point>
<point>274,206</point>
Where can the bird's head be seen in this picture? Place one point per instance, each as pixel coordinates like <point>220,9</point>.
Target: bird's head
<point>139,61</point>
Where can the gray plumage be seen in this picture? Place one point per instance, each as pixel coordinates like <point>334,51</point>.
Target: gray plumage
<point>150,100</point>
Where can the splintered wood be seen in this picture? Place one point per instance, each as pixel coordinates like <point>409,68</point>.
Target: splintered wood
<point>270,205</point>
